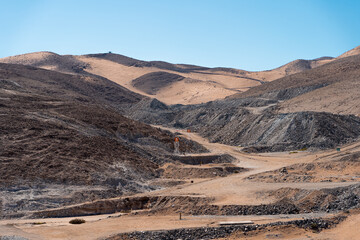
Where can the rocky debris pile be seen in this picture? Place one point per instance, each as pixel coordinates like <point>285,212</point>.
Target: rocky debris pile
<point>284,206</point>
<point>223,232</point>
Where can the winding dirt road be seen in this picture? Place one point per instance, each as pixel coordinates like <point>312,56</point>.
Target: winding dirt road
<point>235,189</point>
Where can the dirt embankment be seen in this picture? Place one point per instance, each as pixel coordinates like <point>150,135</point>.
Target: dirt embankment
<point>125,204</point>
<point>291,201</point>
<point>187,172</point>
<point>341,169</point>
<point>341,198</point>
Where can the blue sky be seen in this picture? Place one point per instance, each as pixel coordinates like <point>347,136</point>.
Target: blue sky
<point>251,35</point>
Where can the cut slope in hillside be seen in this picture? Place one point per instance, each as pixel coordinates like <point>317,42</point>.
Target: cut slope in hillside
<point>151,83</point>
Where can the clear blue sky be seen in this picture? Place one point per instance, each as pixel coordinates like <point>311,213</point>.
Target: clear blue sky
<point>250,35</point>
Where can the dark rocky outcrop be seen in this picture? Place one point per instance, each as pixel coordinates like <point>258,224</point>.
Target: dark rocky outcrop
<point>316,224</point>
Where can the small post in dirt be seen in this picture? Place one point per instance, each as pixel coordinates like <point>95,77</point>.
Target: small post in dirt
<point>179,215</point>
<point>176,145</point>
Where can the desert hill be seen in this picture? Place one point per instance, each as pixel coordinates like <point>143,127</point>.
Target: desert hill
<point>333,87</point>
<point>196,85</point>
<point>73,87</point>
<point>64,133</point>
<point>48,60</point>
<point>352,52</point>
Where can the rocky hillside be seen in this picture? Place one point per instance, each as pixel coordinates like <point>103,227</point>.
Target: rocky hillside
<point>297,84</point>
<point>59,132</point>
<point>86,89</point>
<point>333,87</point>
<point>253,123</point>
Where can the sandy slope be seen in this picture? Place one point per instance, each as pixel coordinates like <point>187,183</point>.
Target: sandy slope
<point>352,52</point>
<point>195,88</point>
